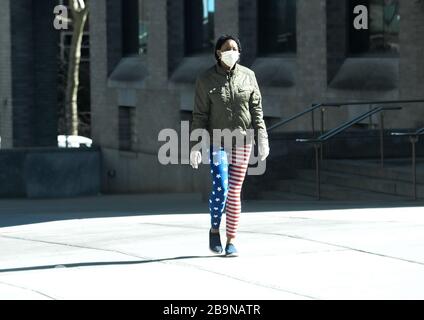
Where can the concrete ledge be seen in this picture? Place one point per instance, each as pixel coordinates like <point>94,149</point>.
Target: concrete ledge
<point>49,172</point>
<point>275,71</point>
<point>191,67</point>
<point>129,73</point>
<point>367,74</point>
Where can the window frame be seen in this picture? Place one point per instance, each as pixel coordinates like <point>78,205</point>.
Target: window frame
<point>130,33</point>
<point>188,13</point>
<point>291,51</point>
<point>369,53</point>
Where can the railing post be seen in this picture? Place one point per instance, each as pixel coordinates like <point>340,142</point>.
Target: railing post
<point>317,170</point>
<point>313,122</point>
<point>370,117</point>
<point>382,139</point>
<point>322,128</point>
<point>414,140</point>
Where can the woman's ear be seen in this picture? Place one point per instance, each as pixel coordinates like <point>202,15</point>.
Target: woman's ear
<point>218,52</point>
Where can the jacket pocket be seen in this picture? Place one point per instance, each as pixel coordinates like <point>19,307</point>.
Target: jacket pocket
<point>217,95</point>
<point>243,93</point>
<point>245,90</point>
<point>215,90</point>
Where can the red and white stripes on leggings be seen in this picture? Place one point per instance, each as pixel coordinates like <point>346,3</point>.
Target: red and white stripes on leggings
<point>227,179</point>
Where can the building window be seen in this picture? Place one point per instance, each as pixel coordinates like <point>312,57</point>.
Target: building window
<point>127,128</point>
<point>199,26</point>
<point>276,26</point>
<point>66,39</point>
<point>382,35</point>
<point>65,45</point>
<point>135,27</point>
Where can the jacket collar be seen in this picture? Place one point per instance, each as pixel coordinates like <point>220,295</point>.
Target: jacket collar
<point>221,70</point>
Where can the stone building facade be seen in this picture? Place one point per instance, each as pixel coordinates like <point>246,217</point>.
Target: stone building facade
<point>28,74</point>
<point>146,54</point>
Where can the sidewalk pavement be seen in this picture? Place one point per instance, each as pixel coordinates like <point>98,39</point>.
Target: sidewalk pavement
<point>155,246</point>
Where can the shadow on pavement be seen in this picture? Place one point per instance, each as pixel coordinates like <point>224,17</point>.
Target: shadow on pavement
<point>15,212</point>
<point>105,263</point>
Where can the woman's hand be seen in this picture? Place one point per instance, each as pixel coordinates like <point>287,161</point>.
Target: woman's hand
<point>195,159</point>
<point>263,145</point>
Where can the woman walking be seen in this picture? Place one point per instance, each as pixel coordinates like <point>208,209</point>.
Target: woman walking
<point>227,96</point>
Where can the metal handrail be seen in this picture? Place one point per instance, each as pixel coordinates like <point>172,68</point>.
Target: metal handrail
<point>335,104</point>
<point>324,137</point>
<point>294,117</point>
<point>418,132</point>
<point>347,125</point>
<point>318,143</point>
<point>413,138</point>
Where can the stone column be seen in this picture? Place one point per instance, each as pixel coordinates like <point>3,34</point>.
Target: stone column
<point>411,77</point>
<point>226,17</point>
<point>6,124</point>
<point>311,57</point>
<point>104,114</point>
<point>157,56</point>
<point>22,72</point>
<point>248,30</point>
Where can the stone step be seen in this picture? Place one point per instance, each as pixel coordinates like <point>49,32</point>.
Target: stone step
<point>394,169</point>
<point>389,186</point>
<point>284,195</point>
<point>335,192</point>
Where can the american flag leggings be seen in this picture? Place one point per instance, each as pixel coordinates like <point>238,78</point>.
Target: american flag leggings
<point>227,181</point>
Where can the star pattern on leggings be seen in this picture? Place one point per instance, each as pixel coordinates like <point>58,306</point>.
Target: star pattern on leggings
<point>220,172</point>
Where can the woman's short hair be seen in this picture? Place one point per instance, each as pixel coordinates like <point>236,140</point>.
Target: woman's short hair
<point>221,40</point>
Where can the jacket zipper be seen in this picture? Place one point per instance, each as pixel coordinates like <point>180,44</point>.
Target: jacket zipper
<point>231,96</point>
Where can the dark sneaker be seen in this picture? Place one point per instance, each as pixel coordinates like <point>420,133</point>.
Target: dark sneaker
<point>230,250</point>
<point>215,242</point>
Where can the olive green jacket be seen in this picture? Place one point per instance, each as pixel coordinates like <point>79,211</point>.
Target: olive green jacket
<point>227,100</point>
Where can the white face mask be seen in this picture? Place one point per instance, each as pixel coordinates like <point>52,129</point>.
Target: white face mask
<point>230,57</point>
